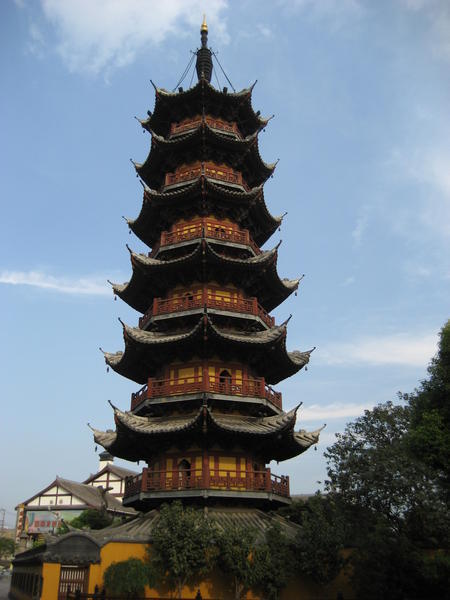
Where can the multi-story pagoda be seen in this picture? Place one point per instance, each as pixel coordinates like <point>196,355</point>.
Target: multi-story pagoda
<point>206,421</point>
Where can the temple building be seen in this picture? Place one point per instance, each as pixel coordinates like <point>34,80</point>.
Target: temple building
<point>64,499</point>
<point>206,419</point>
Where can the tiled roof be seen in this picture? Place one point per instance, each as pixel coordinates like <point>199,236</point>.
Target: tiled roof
<point>146,351</point>
<point>152,277</point>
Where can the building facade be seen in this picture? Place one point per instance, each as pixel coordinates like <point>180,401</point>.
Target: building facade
<point>64,499</point>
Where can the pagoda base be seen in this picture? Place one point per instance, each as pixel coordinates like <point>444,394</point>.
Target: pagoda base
<point>262,499</point>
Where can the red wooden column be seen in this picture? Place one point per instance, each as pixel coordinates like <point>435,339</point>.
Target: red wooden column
<point>205,470</point>
<point>144,479</point>
<point>268,482</point>
<point>163,475</point>
<point>248,474</point>
<point>205,377</point>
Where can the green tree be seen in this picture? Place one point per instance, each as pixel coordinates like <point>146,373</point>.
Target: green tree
<point>91,519</point>
<point>128,577</point>
<point>274,563</point>
<point>236,545</point>
<point>429,433</point>
<point>6,547</point>
<point>322,537</point>
<point>182,547</point>
<point>389,472</point>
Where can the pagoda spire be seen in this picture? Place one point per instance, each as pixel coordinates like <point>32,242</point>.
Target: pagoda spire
<point>204,64</point>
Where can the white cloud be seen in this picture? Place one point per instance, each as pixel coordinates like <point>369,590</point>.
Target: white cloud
<point>338,12</point>
<point>325,412</point>
<point>435,14</point>
<point>430,166</point>
<point>360,225</point>
<point>394,349</point>
<point>91,286</point>
<point>349,280</point>
<point>36,42</point>
<point>264,30</point>
<point>98,35</point>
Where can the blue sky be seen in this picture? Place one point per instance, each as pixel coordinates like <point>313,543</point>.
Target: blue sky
<point>360,93</point>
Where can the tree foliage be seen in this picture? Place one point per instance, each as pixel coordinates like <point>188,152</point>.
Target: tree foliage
<point>91,519</point>
<point>7,546</point>
<point>236,545</point>
<point>319,543</point>
<point>182,549</point>
<point>429,434</point>
<point>128,577</point>
<point>274,563</point>
<point>389,473</point>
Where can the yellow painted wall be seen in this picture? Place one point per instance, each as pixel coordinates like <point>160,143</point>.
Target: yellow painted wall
<point>186,373</point>
<point>214,586</point>
<point>50,574</point>
<point>113,552</point>
<point>227,463</point>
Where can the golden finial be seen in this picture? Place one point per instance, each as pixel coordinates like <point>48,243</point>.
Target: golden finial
<point>204,26</point>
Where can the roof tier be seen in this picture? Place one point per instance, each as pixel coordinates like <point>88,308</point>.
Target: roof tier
<point>202,196</point>
<point>271,438</point>
<point>205,144</point>
<point>256,275</point>
<point>203,98</point>
<point>146,352</point>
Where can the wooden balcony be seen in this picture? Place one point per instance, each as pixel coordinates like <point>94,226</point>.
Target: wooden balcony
<point>218,172</point>
<point>211,229</point>
<point>214,123</point>
<point>159,388</point>
<point>211,479</point>
<point>201,299</point>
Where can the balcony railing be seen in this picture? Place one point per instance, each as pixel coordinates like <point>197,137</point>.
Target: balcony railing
<point>201,299</point>
<point>214,123</point>
<point>211,229</point>
<point>213,479</point>
<point>220,173</point>
<point>158,388</point>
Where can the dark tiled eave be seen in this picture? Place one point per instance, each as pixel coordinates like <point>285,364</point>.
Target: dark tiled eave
<point>160,210</point>
<point>203,98</point>
<point>204,144</point>
<point>265,351</point>
<point>153,278</point>
<point>137,437</point>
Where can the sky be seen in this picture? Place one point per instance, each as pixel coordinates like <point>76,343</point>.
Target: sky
<point>360,94</point>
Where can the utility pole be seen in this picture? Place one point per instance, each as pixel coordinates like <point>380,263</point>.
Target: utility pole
<point>2,521</point>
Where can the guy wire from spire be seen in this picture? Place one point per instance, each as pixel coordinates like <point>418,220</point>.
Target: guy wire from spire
<point>186,71</point>
<point>225,75</point>
<point>217,79</point>
<point>192,77</point>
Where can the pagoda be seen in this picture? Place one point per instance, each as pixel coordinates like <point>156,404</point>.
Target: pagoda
<point>207,351</point>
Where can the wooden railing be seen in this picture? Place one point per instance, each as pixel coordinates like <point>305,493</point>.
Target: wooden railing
<point>219,479</point>
<point>214,123</point>
<point>202,298</point>
<point>208,169</point>
<point>212,229</point>
<point>157,388</point>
